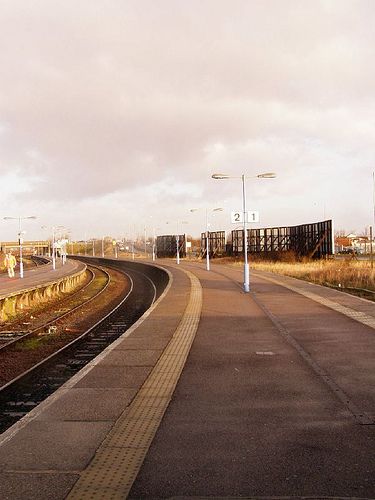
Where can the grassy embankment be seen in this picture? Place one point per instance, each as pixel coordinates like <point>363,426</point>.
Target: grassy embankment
<point>337,273</point>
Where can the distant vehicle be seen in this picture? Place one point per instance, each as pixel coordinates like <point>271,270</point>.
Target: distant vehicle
<point>351,250</point>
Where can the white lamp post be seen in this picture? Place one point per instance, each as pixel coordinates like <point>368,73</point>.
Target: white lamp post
<point>267,175</point>
<point>55,229</point>
<point>20,237</point>
<point>207,234</point>
<point>145,240</point>
<point>178,247</point>
<point>178,240</point>
<point>65,245</point>
<point>154,242</point>
<point>64,239</point>
<point>53,248</point>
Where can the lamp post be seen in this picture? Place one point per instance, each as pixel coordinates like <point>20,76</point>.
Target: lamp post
<point>20,237</point>
<point>177,247</point>
<point>53,248</point>
<point>154,242</point>
<point>63,234</point>
<point>207,233</point>
<point>64,246</point>
<point>145,240</point>
<point>267,175</point>
<point>55,229</point>
<point>178,240</point>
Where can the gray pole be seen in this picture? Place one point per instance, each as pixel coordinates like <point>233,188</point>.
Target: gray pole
<point>246,284</point>
<point>20,244</point>
<point>371,249</point>
<point>178,248</point>
<point>207,244</point>
<point>53,249</point>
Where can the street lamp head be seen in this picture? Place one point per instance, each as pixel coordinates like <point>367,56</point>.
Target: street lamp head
<point>267,175</point>
<point>18,218</point>
<point>220,176</point>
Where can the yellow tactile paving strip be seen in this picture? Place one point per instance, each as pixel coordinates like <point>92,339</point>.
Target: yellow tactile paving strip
<point>359,316</point>
<point>115,466</point>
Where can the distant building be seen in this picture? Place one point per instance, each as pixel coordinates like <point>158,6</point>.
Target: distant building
<point>353,244</point>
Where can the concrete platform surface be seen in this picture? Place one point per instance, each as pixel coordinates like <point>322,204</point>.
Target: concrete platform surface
<point>276,399</point>
<point>37,276</point>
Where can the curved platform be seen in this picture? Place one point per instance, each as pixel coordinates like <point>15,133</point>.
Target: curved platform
<point>37,286</point>
<point>37,276</point>
<point>213,394</point>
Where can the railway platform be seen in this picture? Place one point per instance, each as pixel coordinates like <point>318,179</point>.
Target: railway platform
<point>36,276</point>
<point>38,285</point>
<point>212,394</point>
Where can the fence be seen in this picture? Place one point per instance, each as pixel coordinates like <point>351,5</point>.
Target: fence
<point>312,240</point>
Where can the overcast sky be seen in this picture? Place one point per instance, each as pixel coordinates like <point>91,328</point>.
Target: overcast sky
<point>115,113</point>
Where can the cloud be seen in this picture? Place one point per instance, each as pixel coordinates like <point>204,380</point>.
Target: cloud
<point>106,99</point>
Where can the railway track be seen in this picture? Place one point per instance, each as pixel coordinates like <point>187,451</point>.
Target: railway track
<point>26,391</point>
<point>9,339</point>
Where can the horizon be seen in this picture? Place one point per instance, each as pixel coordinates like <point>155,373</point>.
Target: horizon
<point>115,116</point>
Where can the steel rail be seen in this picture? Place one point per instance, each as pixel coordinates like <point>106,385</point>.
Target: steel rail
<point>26,391</point>
<point>30,333</point>
<point>67,346</point>
<point>150,280</point>
<point>63,300</point>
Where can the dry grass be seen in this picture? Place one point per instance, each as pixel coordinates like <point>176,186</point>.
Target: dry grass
<point>339,273</point>
<point>345,273</point>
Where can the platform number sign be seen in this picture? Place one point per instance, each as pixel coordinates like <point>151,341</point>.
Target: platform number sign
<point>252,217</point>
<point>237,217</point>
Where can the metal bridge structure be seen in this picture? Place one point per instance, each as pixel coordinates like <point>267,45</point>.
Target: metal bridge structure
<point>28,247</point>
